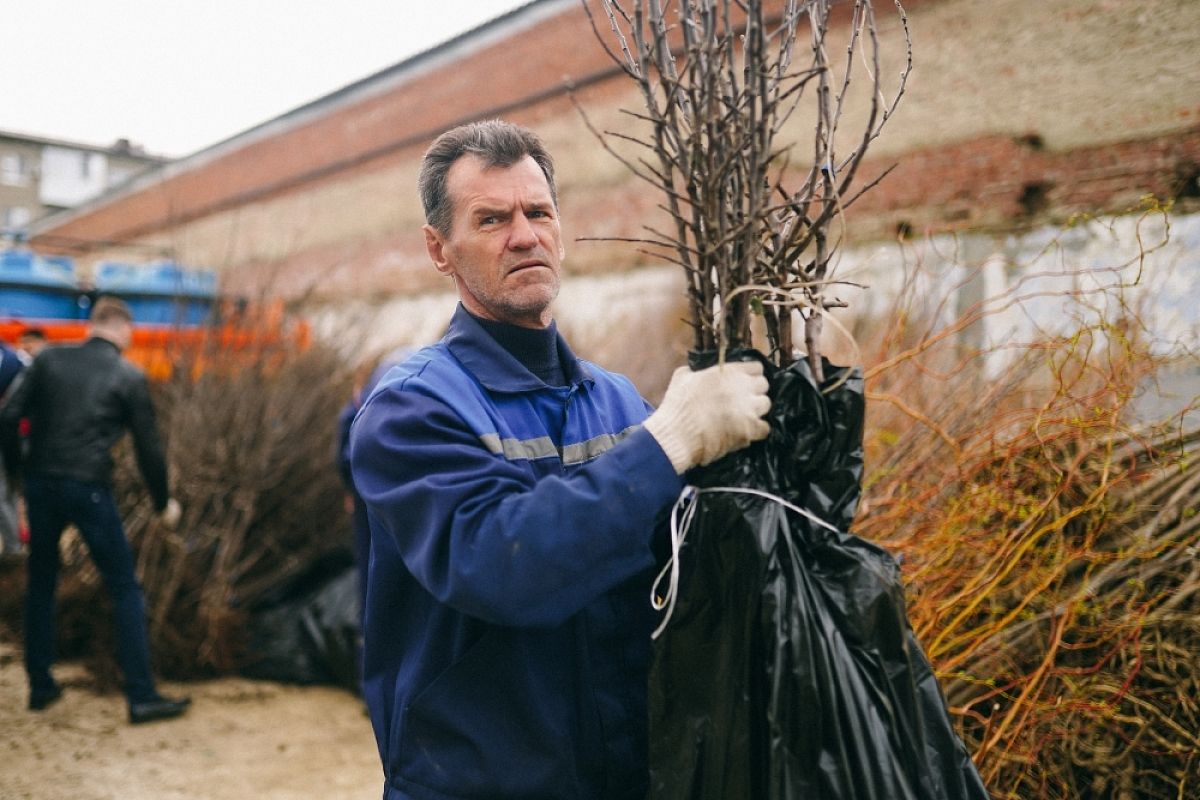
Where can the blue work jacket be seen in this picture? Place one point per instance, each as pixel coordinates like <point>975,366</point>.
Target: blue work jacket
<point>507,618</point>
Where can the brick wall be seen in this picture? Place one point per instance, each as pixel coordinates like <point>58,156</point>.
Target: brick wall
<point>1000,181</point>
<point>325,199</point>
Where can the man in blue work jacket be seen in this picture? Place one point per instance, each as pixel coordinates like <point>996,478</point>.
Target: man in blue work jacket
<point>512,491</point>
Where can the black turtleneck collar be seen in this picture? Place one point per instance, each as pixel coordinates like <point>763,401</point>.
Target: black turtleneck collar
<point>535,348</point>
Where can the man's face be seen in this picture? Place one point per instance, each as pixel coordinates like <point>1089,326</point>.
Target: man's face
<point>504,249</point>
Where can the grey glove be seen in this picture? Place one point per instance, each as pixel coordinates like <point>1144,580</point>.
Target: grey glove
<point>711,412</point>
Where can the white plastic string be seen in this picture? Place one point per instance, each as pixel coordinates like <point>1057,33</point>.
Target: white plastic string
<point>686,501</point>
<point>683,513</point>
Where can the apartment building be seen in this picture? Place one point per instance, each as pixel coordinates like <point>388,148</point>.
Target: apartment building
<point>40,175</point>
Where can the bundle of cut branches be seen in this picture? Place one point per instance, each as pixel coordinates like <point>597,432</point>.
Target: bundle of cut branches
<point>755,215</point>
<point>249,433</point>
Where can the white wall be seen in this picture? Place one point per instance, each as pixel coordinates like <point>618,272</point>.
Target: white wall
<point>70,177</point>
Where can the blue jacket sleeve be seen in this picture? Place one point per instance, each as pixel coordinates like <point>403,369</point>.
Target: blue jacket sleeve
<point>341,445</point>
<point>490,538</point>
<point>10,367</point>
<point>12,409</point>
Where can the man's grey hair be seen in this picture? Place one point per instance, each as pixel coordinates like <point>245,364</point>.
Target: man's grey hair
<point>495,142</point>
<point>109,309</point>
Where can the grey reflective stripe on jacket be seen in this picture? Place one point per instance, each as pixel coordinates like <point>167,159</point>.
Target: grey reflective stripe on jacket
<point>543,447</point>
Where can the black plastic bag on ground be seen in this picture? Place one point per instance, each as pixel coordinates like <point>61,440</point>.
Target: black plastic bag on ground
<point>311,638</point>
<point>787,667</point>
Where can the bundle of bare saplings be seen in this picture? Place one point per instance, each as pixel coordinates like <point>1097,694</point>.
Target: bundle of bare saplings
<point>249,431</point>
<point>785,665</point>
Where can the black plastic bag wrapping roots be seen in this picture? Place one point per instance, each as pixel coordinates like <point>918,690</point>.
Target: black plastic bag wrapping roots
<point>788,668</point>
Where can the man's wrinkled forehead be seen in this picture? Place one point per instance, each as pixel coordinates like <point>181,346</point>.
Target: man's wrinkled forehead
<point>485,182</point>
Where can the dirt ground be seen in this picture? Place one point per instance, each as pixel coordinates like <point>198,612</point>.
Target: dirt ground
<point>240,739</point>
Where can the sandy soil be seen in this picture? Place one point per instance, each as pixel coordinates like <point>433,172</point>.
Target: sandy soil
<point>240,739</point>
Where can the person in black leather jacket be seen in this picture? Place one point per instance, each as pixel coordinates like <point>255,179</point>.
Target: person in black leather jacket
<point>80,400</point>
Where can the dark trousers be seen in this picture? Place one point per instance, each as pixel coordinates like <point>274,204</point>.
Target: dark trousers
<point>52,504</point>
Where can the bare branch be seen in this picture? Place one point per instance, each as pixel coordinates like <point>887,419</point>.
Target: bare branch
<point>719,81</point>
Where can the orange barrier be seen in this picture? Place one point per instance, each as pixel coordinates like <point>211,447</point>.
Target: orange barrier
<point>159,349</point>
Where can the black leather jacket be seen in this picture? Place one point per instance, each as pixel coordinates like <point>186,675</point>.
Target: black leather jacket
<point>80,399</point>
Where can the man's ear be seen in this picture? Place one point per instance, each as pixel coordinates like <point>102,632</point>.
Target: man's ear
<point>436,245</point>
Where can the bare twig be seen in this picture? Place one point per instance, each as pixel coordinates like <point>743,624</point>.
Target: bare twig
<point>718,81</point>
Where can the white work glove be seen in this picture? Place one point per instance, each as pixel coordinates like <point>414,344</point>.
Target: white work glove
<point>711,412</point>
<point>170,515</point>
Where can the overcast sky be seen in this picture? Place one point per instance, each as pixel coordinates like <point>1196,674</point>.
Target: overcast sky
<point>178,75</point>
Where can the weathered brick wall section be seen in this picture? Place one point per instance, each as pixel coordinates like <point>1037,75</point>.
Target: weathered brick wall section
<point>1000,181</point>
<point>325,200</point>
